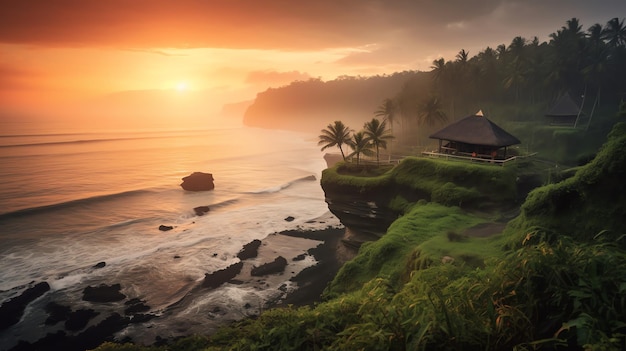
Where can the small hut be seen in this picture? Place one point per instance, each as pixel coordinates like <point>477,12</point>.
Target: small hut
<point>564,112</point>
<point>475,136</point>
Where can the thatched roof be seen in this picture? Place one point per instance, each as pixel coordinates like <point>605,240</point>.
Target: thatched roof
<point>476,130</point>
<point>564,107</point>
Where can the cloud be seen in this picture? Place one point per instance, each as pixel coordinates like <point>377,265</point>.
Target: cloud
<point>13,78</point>
<point>157,52</point>
<point>274,78</point>
<point>277,24</point>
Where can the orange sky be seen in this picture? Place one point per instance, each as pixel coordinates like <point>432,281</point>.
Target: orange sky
<point>93,58</point>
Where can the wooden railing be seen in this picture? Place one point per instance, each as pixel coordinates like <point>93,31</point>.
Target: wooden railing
<point>500,162</point>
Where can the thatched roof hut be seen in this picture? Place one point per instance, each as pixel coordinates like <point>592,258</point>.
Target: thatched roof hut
<point>474,135</point>
<point>564,111</point>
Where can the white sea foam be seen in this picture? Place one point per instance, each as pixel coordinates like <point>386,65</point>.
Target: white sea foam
<point>257,188</point>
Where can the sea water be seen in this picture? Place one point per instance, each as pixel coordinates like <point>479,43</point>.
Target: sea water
<point>72,199</point>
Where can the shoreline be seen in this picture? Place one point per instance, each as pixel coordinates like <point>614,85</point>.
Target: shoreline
<point>330,255</point>
<point>318,240</point>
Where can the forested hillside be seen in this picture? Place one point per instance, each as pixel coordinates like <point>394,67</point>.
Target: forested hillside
<point>307,105</point>
<point>514,84</point>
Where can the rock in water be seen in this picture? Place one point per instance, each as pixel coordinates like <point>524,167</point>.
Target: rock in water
<point>277,266</point>
<point>12,310</point>
<point>201,210</point>
<point>198,181</point>
<point>221,276</point>
<point>249,250</point>
<point>103,293</point>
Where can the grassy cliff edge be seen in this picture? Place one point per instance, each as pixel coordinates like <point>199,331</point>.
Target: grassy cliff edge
<point>554,279</point>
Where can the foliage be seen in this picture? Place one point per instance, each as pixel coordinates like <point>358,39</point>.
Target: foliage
<point>457,183</point>
<point>360,146</point>
<point>378,135</point>
<point>587,202</point>
<point>383,257</point>
<point>336,134</point>
<point>556,279</point>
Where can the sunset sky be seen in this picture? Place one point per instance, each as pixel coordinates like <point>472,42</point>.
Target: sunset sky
<point>81,59</point>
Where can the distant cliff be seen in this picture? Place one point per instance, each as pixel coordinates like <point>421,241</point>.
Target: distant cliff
<point>310,105</point>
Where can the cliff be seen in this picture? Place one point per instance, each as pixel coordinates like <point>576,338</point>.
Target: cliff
<point>307,105</point>
<point>371,204</point>
<point>548,281</point>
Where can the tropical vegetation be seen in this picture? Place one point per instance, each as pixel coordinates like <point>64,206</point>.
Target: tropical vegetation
<point>374,135</point>
<point>336,134</point>
<point>553,279</point>
<point>542,284</point>
<point>514,84</point>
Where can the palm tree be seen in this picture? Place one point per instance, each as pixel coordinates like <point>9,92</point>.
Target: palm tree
<point>615,33</point>
<point>445,78</point>
<point>336,134</point>
<point>387,110</point>
<point>377,133</point>
<point>431,112</point>
<point>361,145</point>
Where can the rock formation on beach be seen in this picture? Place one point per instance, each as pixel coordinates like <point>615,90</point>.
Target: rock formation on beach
<point>103,293</point>
<point>276,266</point>
<point>221,276</point>
<point>201,210</point>
<point>198,181</point>
<point>249,250</point>
<point>12,310</point>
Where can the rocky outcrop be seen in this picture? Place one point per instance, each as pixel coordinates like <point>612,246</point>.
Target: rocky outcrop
<point>249,250</point>
<point>78,319</point>
<point>198,181</point>
<point>201,210</point>
<point>103,293</point>
<point>360,212</point>
<point>276,266</point>
<point>12,310</point>
<point>221,276</point>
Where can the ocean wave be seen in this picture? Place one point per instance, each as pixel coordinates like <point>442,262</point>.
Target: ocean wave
<point>224,203</point>
<point>72,203</point>
<point>283,186</point>
<point>84,141</point>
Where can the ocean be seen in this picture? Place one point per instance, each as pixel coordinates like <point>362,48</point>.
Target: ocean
<point>71,199</point>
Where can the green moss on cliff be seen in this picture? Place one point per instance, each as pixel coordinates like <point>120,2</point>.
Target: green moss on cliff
<point>396,248</point>
<point>445,182</point>
<point>559,290</point>
<point>593,200</point>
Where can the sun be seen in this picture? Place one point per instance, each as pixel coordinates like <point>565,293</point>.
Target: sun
<point>182,86</point>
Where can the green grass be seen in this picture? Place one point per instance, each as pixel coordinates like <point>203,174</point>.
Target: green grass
<point>447,182</point>
<point>383,257</point>
<point>550,281</point>
<point>592,200</point>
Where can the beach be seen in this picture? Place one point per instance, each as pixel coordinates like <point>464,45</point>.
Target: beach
<point>78,220</point>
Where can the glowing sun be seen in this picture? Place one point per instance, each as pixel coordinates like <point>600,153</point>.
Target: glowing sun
<point>182,86</point>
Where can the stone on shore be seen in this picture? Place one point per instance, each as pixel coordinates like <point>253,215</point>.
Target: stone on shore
<point>165,228</point>
<point>221,276</point>
<point>198,181</point>
<point>12,310</point>
<point>103,293</point>
<point>201,210</point>
<point>78,320</point>
<point>250,250</point>
<point>276,266</point>
<point>56,313</point>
